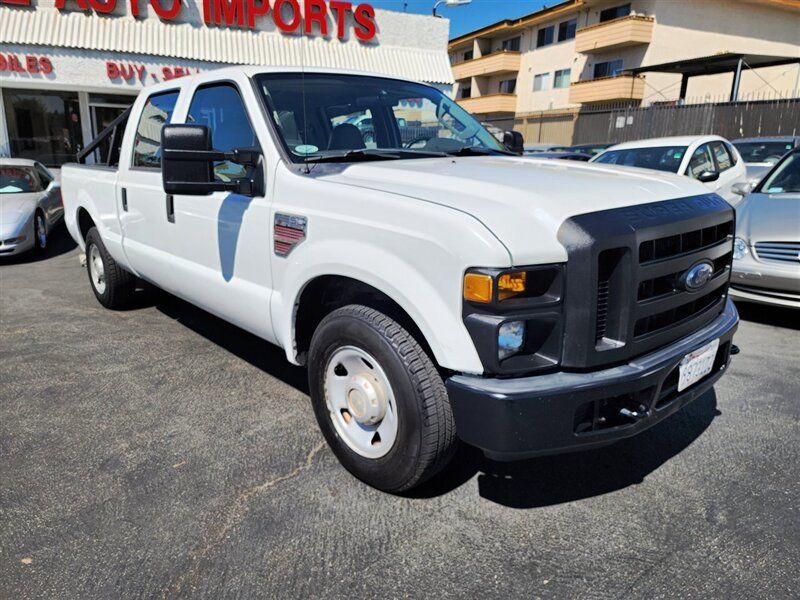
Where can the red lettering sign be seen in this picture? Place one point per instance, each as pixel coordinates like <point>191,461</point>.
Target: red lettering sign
<point>26,64</point>
<point>289,17</point>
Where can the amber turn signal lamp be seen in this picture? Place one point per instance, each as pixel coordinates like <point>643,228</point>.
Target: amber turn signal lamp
<point>478,288</point>
<point>510,285</point>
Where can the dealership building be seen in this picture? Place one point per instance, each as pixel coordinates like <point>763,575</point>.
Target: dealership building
<point>69,67</point>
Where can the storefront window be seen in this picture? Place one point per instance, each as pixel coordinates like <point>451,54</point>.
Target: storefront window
<point>43,126</point>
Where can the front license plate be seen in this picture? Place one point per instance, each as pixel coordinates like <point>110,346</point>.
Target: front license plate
<point>697,365</point>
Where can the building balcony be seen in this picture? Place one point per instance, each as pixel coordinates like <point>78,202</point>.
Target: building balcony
<point>619,33</point>
<point>497,63</point>
<point>490,103</point>
<point>607,89</point>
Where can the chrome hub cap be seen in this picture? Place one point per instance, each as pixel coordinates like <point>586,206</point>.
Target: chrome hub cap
<point>41,232</point>
<point>97,271</point>
<point>361,402</point>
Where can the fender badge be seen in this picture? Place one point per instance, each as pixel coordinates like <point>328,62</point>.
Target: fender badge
<point>288,232</point>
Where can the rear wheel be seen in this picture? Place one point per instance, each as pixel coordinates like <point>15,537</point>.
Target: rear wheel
<point>379,399</point>
<point>112,285</point>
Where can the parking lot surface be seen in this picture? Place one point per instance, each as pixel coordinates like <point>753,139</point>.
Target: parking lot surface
<point>160,452</point>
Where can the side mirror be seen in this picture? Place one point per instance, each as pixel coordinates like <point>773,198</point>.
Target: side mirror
<point>708,176</point>
<point>187,163</point>
<point>742,188</point>
<point>514,142</point>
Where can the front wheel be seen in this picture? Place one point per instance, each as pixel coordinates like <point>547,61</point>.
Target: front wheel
<point>39,232</point>
<point>379,399</point>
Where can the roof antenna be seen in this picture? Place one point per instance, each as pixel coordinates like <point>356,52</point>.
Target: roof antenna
<point>303,92</point>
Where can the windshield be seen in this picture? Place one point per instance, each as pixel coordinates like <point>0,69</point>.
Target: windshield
<point>321,116</point>
<point>18,180</point>
<point>661,159</point>
<point>769,152</point>
<point>785,179</point>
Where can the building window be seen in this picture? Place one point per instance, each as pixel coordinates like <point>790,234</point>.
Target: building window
<point>544,36</point>
<point>609,68</point>
<point>147,142</point>
<point>466,92</point>
<point>541,82</point>
<point>561,79</point>
<point>43,126</point>
<point>508,86</point>
<point>615,12</point>
<point>566,30</point>
<point>512,45</point>
<point>469,55</point>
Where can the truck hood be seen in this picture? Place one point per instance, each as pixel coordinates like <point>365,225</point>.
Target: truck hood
<point>769,218</point>
<point>522,201</point>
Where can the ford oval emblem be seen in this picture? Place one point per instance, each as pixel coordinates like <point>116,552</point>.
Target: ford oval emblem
<point>697,276</point>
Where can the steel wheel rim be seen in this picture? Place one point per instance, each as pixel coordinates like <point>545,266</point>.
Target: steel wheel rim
<point>97,271</point>
<point>349,372</point>
<point>41,233</point>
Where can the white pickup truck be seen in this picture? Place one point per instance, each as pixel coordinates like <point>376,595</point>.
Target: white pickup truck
<point>436,286</point>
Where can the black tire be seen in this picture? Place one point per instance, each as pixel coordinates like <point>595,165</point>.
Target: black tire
<point>120,285</point>
<point>426,432</point>
<point>39,232</point>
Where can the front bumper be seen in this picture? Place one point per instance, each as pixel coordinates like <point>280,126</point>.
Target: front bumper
<point>763,282</point>
<point>546,414</point>
<point>14,248</point>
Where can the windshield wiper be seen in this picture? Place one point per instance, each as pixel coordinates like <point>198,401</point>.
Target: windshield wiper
<point>354,156</point>
<point>475,151</point>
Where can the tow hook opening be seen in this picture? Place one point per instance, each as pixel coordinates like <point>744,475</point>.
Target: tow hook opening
<point>619,411</point>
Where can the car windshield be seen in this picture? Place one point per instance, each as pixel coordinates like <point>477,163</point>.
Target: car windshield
<point>785,179</point>
<point>756,152</point>
<point>18,180</point>
<point>353,117</point>
<point>667,158</point>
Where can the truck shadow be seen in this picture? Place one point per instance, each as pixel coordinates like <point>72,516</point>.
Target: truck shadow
<point>524,484</point>
<point>563,478</point>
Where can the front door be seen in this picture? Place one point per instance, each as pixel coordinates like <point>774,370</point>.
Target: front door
<point>142,204</point>
<point>221,241</point>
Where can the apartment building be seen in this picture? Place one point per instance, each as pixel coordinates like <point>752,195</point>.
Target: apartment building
<point>578,52</point>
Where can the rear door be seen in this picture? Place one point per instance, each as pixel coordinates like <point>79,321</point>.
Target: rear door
<point>141,201</point>
<point>221,241</point>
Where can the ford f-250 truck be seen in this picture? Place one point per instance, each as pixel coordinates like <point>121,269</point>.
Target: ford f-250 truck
<point>436,286</point>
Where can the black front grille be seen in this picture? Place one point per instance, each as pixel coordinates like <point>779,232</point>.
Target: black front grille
<point>625,277</point>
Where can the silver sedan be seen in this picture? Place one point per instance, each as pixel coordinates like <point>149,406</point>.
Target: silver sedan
<point>30,205</point>
<point>766,251</point>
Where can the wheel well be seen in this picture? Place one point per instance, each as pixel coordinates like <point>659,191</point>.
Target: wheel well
<point>85,222</point>
<point>326,293</point>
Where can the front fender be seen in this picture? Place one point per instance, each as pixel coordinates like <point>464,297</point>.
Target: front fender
<point>427,305</point>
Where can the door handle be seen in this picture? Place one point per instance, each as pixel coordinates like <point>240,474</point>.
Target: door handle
<point>170,208</point>
<point>125,199</point>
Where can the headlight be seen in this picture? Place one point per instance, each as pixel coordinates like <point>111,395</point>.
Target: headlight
<point>510,338</point>
<point>739,249</point>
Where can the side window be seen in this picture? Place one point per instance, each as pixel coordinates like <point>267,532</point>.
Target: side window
<point>44,175</point>
<point>221,109</point>
<point>701,161</point>
<point>147,142</point>
<point>722,156</point>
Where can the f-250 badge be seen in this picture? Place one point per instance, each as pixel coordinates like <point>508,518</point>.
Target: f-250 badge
<point>289,231</point>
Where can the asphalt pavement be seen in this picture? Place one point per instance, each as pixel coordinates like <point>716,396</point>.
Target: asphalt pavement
<point>160,452</point>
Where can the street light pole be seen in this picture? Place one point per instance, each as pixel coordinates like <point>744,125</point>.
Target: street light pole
<point>448,3</point>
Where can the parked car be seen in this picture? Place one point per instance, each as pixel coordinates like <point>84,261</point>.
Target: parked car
<point>710,159</point>
<point>30,205</point>
<point>590,149</point>
<point>534,148</point>
<point>451,290</point>
<point>766,251</point>
<point>563,155</point>
<point>760,154</point>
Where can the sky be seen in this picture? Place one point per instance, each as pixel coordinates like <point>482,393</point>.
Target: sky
<point>464,19</point>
